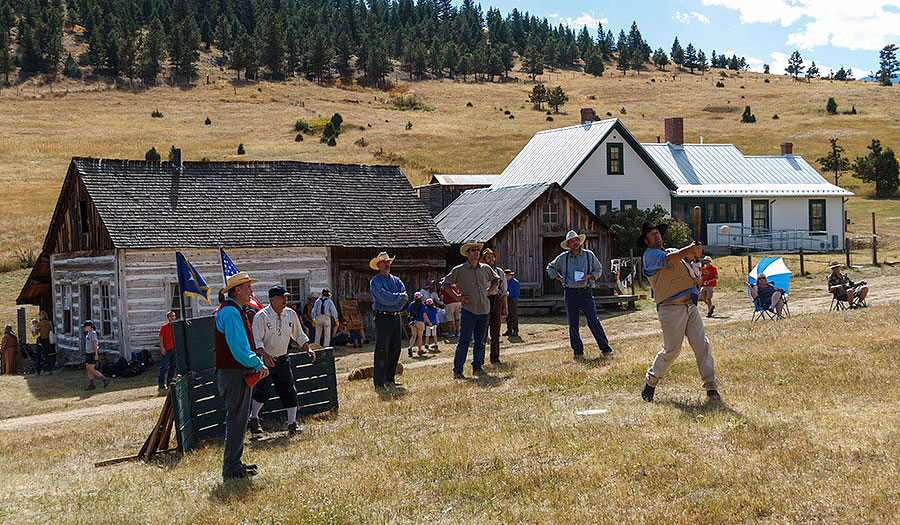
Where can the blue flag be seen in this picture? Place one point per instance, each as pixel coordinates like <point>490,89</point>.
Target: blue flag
<point>189,280</point>
<point>228,267</point>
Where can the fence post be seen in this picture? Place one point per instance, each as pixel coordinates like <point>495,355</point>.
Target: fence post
<point>631,266</point>
<point>874,250</point>
<point>749,264</point>
<point>847,250</point>
<point>802,269</point>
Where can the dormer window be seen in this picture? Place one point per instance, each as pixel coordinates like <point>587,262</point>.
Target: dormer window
<point>614,164</point>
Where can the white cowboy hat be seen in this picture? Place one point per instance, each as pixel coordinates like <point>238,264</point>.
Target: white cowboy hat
<point>383,256</point>
<point>237,280</point>
<point>468,245</point>
<point>835,264</point>
<point>569,236</point>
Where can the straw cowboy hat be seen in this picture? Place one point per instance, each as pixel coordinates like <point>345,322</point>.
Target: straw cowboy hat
<point>569,236</point>
<point>463,250</point>
<point>835,264</point>
<point>237,280</point>
<point>488,251</point>
<point>383,256</point>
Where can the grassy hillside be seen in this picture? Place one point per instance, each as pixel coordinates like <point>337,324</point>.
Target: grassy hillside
<point>43,126</point>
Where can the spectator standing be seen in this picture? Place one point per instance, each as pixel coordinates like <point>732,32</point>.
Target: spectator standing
<point>45,350</point>
<point>499,303</point>
<point>475,281</point>
<point>431,314</point>
<point>709,276</point>
<point>417,323</point>
<point>92,356</point>
<point>167,350</point>
<point>324,315</point>
<point>388,298</point>
<point>452,308</point>
<point>9,349</point>
<point>514,289</point>
<point>306,317</point>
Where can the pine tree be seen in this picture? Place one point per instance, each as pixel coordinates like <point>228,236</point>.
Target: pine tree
<point>222,36</point>
<point>7,62</point>
<point>701,61</point>
<point>538,96</point>
<point>660,59</point>
<point>623,61</point>
<point>766,69</point>
<point>888,64</point>
<point>690,57</point>
<point>319,57</point>
<point>835,161</point>
<point>585,43</point>
<point>677,53</point>
<point>812,72</point>
<point>153,52</point>
<point>593,63</point>
<point>795,65</point>
<point>464,66</point>
<point>29,48</point>
<point>184,47</point>
<point>129,59</point>
<point>879,166</point>
<point>533,62</point>
<point>556,97</point>
<point>449,58</point>
<point>831,106</point>
<point>272,46</point>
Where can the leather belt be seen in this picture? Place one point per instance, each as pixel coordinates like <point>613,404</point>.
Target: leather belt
<point>384,312</point>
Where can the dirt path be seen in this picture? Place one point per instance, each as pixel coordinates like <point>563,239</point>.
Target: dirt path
<point>807,297</point>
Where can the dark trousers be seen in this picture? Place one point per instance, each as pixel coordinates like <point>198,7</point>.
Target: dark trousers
<point>282,377</point>
<point>387,348</point>
<point>496,319</point>
<point>166,368</point>
<point>512,318</point>
<point>236,394</point>
<point>43,356</point>
<point>471,326</point>
<point>582,298</point>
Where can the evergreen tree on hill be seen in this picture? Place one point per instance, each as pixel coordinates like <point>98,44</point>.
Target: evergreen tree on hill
<point>812,72</point>
<point>660,59</point>
<point>7,62</point>
<point>184,48</point>
<point>533,62</point>
<point>272,45</point>
<point>623,61</point>
<point>690,57</point>
<point>795,65</point>
<point>222,36</point>
<point>677,53</point>
<point>888,64</point>
<point>153,52</point>
<point>593,63</point>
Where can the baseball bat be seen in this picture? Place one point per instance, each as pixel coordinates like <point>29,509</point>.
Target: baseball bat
<point>695,215</point>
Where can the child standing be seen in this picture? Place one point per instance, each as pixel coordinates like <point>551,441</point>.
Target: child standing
<point>92,355</point>
<point>431,313</point>
<point>417,322</point>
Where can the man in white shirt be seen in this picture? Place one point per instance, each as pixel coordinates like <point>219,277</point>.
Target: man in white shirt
<point>325,315</point>
<point>273,328</point>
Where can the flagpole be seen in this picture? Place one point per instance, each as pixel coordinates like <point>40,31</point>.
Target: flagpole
<point>222,260</point>
<point>181,294</point>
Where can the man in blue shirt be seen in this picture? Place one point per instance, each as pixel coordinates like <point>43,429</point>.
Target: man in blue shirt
<point>675,292</point>
<point>513,289</point>
<point>388,300</point>
<point>235,358</point>
<point>575,269</point>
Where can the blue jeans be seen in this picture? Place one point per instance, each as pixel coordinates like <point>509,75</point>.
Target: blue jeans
<point>167,368</point>
<point>583,298</point>
<point>470,325</point>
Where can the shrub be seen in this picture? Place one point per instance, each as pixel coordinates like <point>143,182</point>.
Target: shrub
<point>71,68</point>
<point>766,81</point>
<point>172,153</point>
<point>622,111</point>
<point>299,137</point>
<point>328,132</point>
<point>152,154</point>
<point>468,104</point>
<point>626,225</point>
<point>301,126</point>
<point>720,84</point>
<point>747,117</point>
<point>207,122</point>
<point>831,106</point>
<point>408,103</point>
<point>506,112</point>
<point>361,142</point>
<point>549,112</point>
<point>723,74</point>
<point>652,80</point>
<point>204,159</point>
<point>853,110</point>
<point>512,117</point>
<point>549,119</point>
<point>332,142</point>
<point>742,87</point>
<point>156,114</point>
<point>408,125</point>
<point>608,114</point>
<point>336,121</point>
<point>240,150</point>
<point>775,116</point>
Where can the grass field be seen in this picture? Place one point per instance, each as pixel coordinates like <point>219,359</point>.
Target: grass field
<point>807,431</point>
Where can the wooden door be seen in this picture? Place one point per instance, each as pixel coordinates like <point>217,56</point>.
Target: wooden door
<point>551,250</point>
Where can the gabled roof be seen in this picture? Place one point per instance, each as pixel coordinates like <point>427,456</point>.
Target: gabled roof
<point>445,179</point>
<point>555,155</point>
<point>722,170</point>
<point>255,204</point>
<point>481,214</point>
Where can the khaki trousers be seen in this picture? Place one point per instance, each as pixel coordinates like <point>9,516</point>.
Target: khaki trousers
<point>679,321</point>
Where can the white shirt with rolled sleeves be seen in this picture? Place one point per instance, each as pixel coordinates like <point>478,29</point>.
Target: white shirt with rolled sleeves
<point>273,332</point>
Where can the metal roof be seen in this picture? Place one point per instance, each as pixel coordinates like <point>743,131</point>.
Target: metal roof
<point>721,169</point>
<point>464,179</point>
<point>481,214</point>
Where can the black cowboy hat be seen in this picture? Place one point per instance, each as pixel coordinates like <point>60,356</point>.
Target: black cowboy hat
<point>646,228</point>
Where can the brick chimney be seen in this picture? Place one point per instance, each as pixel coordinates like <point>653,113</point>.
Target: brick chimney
<point>587,115</point>
<point>176,156</point>
<point>787,148</point>
<point>675,130</point>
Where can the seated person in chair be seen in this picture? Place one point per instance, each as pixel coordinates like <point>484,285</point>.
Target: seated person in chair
<point>845,289</point>
<point>765,295</point>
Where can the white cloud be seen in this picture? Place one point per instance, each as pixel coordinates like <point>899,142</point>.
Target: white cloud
<point>685,18</point>
<point>860,24</point>
<point>581,21</point>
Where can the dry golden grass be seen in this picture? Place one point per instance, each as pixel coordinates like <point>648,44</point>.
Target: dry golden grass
<point>807,432</point>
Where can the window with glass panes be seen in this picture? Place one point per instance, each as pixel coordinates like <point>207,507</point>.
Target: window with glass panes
<point>175,303</point>
<point>817,215</point>
<point>106,324</point>
<point>614,164</point>
<point>550,213</point>
<point>759,215</point>
<point>296,288</point>
<point>602,207</point>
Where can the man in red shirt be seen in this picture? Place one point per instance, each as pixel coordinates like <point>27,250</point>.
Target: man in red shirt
<point>708,277</point>
<point>166,348</point>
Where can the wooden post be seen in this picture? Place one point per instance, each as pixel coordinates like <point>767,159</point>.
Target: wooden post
<point>749,264</point>
<point>874,250</point>
<point>847,250</point>
<point>20,326</point>
<point>802,269</point>
<point>873,223</point>
<point>631,265</point>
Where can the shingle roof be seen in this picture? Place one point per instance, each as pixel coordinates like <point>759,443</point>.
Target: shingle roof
<point>256,204</point>
<point>721,169</point>
<point>555,155</point>
<point>467,217</point>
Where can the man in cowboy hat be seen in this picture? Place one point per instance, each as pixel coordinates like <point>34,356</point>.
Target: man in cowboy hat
<point>475,282</point>
<point>499,304</point>
<point>844,289</point>
<point>273,328</point>
<point>388,300</point>
<point>709,276</point>
<point>675,291</point>
<point>235,358</point>
<point>575,268</point>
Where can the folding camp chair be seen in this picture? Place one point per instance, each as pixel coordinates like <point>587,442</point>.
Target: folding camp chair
<point>778,274</point>
<point>768,312</point>
<point>837,304</point>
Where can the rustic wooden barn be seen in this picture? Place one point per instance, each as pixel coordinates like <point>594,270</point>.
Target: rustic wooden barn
<point>109,252</point>
<point>526,225</point>
<point>443,189</point>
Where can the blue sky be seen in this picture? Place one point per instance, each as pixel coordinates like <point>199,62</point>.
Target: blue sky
<point>833,33</point>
